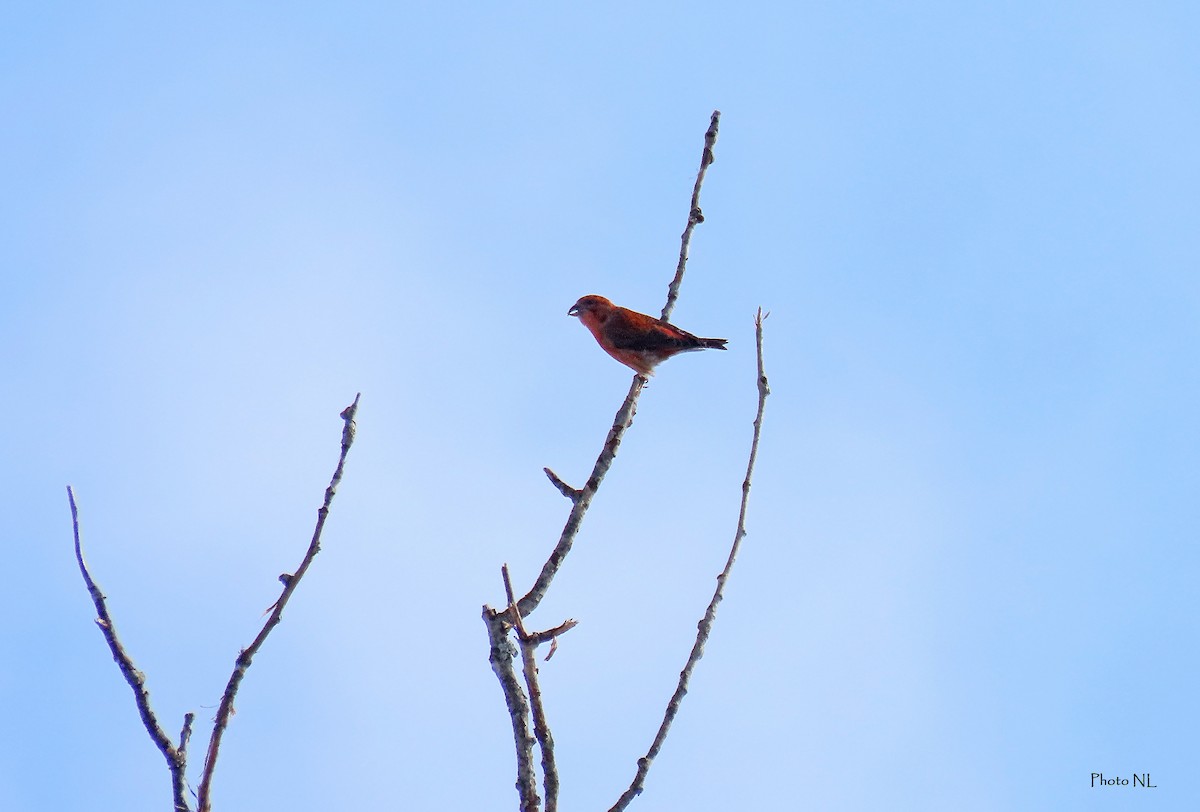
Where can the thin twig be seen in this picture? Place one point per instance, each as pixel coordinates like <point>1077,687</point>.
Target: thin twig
<point>225,709</point>
<point>705,625</point>
<point>508,593</point>
<point>501,652</point>
<point>695,215</point>
<point>185,736</point>
<point>537,638</point>
<point>541,730</point>
<point>176,757</point>
<point>563,488</point>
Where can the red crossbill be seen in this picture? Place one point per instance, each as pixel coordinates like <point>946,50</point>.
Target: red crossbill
<point>636,340</point>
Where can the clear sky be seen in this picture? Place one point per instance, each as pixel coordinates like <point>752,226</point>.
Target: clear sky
<point>970,579</point>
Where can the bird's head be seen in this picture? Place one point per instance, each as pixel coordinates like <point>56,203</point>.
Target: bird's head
<point>590,304</point>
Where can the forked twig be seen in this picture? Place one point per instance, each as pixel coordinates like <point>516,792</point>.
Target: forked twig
<point>705,625</point>
<point>225,709</point>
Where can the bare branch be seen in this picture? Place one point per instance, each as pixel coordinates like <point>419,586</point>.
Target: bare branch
<point>179,782</point>
<point>541,730</point>
<point>176,758</point>
<point>694,214</point>
<point>185,734</point>
<point>622,421</point>
<point>537,638</point>
<point>225,709</point>
<point>705,625</point>
<point>501,652</point>
<point>508,592</point>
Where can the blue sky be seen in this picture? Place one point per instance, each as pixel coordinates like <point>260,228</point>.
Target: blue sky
<point>970,576</point>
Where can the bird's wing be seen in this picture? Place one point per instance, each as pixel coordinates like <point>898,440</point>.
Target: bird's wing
<point>628,330</point>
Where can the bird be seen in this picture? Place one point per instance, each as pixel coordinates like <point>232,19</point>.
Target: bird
<point>638,341</point>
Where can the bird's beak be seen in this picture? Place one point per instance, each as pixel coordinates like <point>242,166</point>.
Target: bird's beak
<point>574,311</point>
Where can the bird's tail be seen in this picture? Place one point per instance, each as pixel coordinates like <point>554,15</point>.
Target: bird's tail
<point>713,343</point>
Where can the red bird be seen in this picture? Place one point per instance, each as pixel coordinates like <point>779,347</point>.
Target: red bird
<point>636,340</point>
